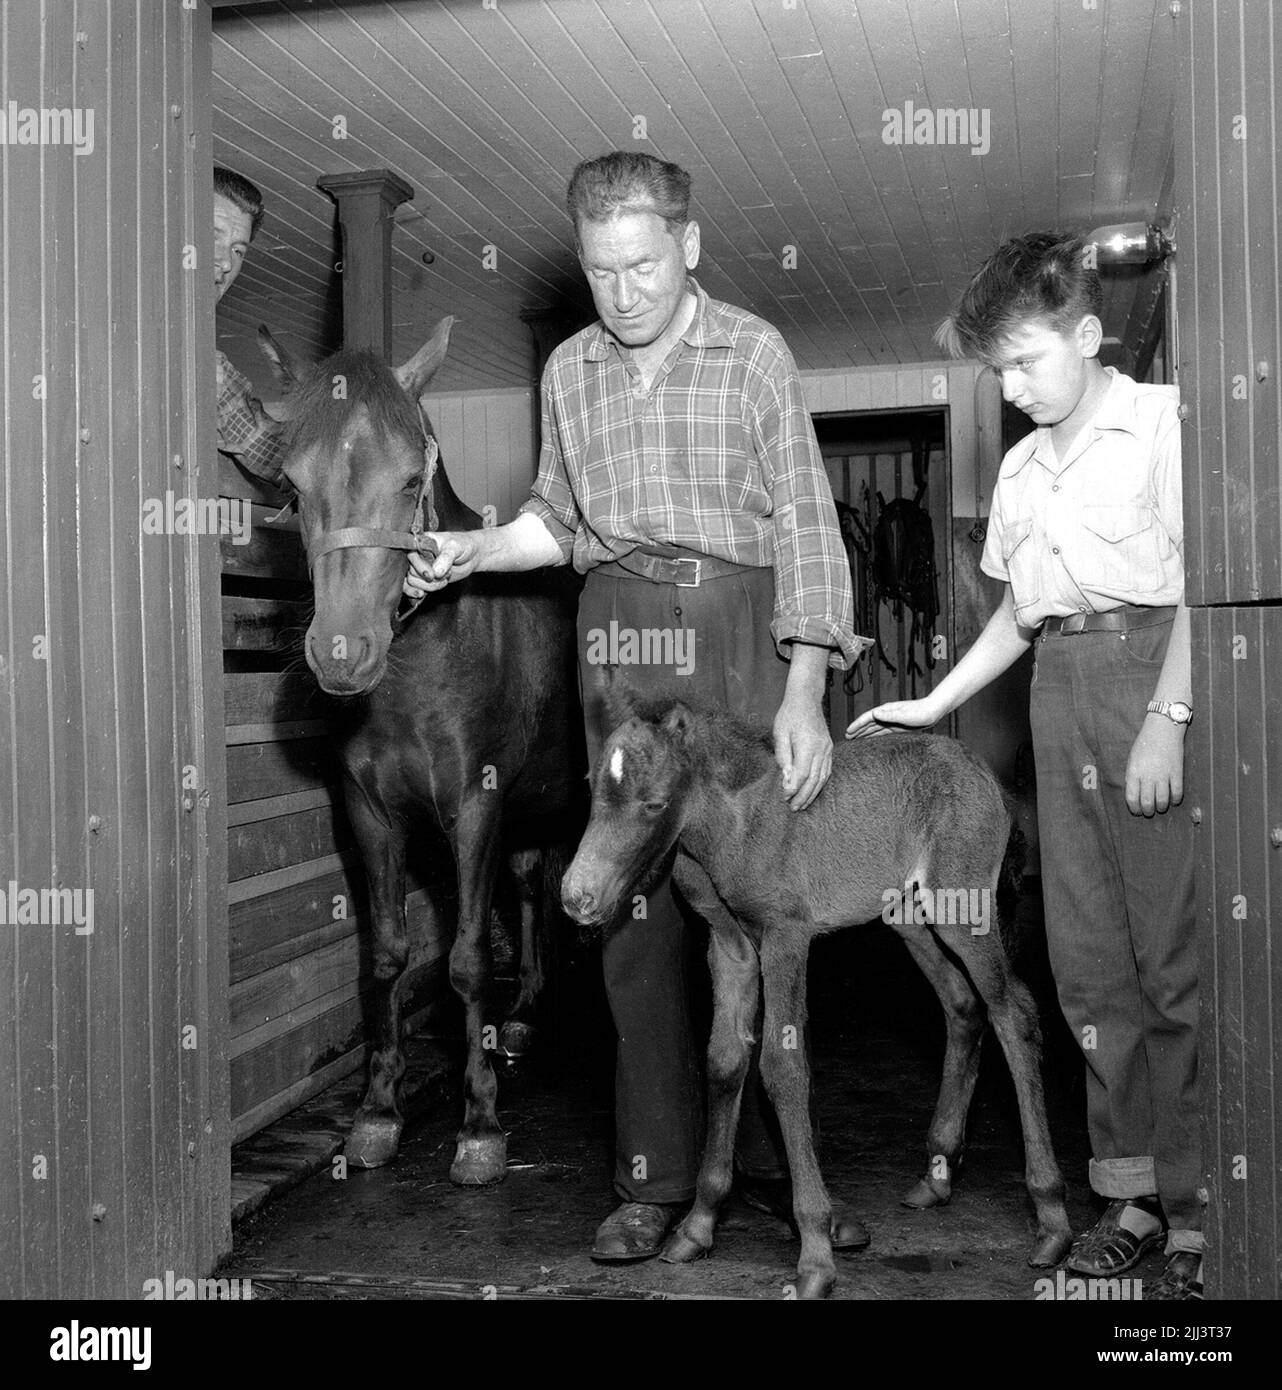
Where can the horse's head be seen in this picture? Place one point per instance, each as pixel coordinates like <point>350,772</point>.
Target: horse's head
<point>640,792</point>
<point>361,457</point>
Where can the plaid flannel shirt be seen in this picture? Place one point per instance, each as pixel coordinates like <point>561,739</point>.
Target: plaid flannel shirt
<point>719,456</point>
<point>245,430</point>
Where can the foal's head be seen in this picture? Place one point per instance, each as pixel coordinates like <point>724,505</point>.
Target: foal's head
<point>640,793</point>
<point>357,457</point>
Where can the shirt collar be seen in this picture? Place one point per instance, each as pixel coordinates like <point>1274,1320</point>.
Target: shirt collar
<point>1116,412</point>
<point>706,329</point>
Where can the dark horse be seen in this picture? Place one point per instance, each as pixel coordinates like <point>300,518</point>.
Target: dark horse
<point>464,714</point>
<point>898,813</point>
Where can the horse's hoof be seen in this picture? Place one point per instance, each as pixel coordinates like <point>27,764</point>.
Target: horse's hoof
<point>516,1040</point>
<point>480,1162</point>
<point>815,1284</point>
<point>924,1196</point>
<point>373,1142</point>
<point>1050,1249</point>
<point>680,1249</point>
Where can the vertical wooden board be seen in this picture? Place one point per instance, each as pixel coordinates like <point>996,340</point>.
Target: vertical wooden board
<point>476,480</point>
<point>1271,1257</point>
<point>1262,45</point>
<point>68,715</point>
<point>963,445</point>
<point>1228,982</point>
<point>26,580</point>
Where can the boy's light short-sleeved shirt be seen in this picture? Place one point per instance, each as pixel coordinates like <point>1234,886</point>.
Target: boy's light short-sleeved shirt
<point>1102,527</point>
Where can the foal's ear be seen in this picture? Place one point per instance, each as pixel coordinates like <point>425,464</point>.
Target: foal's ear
<point>423,366</point>
<point>678,722</point>
<point>618,697</point>
<point>284,368</point>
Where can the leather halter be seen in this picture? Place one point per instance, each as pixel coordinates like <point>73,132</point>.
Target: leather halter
<point>379,538</point>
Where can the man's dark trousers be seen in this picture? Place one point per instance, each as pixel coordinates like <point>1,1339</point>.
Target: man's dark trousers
<point>659,1103</point>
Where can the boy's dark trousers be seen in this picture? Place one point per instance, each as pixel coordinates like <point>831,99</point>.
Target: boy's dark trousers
<point>659,1107</point>
<point>1118,890</point>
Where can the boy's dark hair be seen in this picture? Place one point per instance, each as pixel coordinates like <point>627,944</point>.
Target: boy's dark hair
<point>1044,275</point>
<point>628,181</point>
<point>241,192</point>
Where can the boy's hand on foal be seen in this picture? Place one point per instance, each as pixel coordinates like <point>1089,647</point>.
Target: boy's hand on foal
<point>1155,769</point>
<point>456,558</point>
<point>803,750</point>
<point>896,714</point>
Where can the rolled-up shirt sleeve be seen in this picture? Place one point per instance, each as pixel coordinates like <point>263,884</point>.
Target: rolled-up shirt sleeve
<point>813,600</point>
<point>245,431</point>
<point>552,498</point>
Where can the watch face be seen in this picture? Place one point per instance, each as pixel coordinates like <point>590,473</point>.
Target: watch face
<point>1181,712</point>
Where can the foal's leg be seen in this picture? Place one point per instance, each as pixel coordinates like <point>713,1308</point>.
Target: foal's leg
<point>786,1072</point>
<point>517,1035</point>
<point>376,1131</point>
<point>481,1156</point>
<point>1014,1016</point>
<point>965,1019</point>
<point>736,988</point>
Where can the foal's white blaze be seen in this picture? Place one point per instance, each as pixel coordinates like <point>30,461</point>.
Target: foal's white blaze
<point>616,765</point>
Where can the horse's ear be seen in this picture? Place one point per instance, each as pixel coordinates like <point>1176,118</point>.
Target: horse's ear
<point>617,696</point>
<point>678,722</point>
<point>423,366</point>
<point>284,368</point>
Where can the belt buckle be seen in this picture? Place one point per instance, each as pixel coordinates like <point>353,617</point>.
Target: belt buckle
<point>688,583</point>
<point>1074,623</point>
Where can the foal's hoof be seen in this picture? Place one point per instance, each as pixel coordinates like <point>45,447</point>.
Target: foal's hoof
<point>479,1162</point>
<point>516,1040</point>
<point>815,1284</point>
<point>373,1141</point>
<point>680,1249</point>
<point>924,1196</point>
<point>1050,1249</point>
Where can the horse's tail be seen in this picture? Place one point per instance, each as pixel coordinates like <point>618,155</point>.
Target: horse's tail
<point>1010,880</point>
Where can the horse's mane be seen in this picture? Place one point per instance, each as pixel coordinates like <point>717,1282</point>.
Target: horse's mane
<point>368,381</point>
<point>735,744</point>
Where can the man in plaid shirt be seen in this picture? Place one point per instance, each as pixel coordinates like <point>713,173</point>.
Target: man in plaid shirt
<point>680,473</point>
<point>245,431</point>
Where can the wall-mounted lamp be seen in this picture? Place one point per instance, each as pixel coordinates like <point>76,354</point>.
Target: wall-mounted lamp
<point>1129,243</point>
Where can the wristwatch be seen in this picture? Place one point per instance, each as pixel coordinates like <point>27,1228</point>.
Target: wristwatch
<point>1175,710</point>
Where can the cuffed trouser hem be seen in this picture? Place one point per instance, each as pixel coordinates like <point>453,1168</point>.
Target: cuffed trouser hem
<point>642,1193</point>
<point>1180,1238</point>
<point>1123,1177</point>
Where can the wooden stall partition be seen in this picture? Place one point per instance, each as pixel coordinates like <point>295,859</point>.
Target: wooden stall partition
<point>113,1133</point>
<point>299,958</point>
<point>1228,113</point>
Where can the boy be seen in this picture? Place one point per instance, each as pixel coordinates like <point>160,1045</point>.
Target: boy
<point>1086,532</point>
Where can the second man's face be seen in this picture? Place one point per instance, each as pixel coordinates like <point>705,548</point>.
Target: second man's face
<point>636,270</point>
<point>232,232</point>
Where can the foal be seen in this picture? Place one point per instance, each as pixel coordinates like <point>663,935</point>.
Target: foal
<point>898,812</point>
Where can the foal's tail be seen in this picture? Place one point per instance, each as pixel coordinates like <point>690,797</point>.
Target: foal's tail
<point>1010,883</point>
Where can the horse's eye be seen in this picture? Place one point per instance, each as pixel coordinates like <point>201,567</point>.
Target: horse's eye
<point>653,808</point>
<point>412,486</point>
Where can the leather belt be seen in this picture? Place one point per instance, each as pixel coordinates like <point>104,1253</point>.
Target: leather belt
<point>685,571</point>
<point>1125,619</point>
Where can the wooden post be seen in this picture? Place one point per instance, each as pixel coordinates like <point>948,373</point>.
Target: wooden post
<point>366,202</point>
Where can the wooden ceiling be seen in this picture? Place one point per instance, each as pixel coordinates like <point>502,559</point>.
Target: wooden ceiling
<point>775,106</point>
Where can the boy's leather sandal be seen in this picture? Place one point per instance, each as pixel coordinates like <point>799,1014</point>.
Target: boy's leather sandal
<point>1109,1248</point>
<point>1179,1280</point>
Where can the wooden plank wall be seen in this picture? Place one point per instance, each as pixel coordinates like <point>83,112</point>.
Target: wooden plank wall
<point>113,1135</point>
<point>1229,353</point>
<point>299,963</point>
<point>489,446</point>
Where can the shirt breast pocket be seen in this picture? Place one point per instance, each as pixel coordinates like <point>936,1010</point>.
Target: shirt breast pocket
<point>1019,555</point>
<point>1121,551</point>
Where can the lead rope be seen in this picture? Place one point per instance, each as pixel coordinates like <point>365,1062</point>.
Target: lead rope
<point>431,456</point>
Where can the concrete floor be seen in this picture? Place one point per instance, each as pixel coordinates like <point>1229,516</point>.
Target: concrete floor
<point>405,1232</point>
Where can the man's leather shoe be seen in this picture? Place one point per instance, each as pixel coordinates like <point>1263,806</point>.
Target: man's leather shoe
<point>1181,1279</point>
<point>774,1195</point>
<point>634,1231</point>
